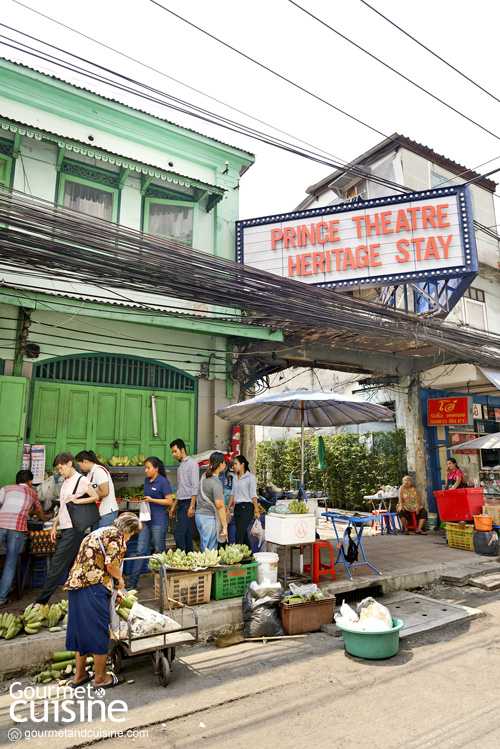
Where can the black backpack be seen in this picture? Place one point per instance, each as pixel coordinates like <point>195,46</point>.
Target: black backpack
<point>351,552</point>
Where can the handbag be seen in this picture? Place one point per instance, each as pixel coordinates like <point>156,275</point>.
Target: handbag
<point>82,516</point>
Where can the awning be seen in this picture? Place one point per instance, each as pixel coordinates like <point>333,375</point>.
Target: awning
<point>492,375</point>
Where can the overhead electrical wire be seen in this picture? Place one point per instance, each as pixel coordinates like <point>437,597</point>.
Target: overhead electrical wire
<point>88,249</point>
<point>149,67</point>
<point>427,49</point>
<point>393,70</point>
<point>199,112</point>
<point>189,109</point>
<point>175,80</point>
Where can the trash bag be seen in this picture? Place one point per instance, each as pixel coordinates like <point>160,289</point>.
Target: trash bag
<point>349,547</point>
<point>347,616</point>
<point>369,608</point>
<point>261,614</point>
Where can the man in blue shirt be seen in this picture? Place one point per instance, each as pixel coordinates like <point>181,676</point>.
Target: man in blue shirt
<point>188,477</point>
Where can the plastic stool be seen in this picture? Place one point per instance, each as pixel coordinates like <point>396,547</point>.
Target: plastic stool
<point>318,567</point>
<point>379,513</point>
<point>413,524</point>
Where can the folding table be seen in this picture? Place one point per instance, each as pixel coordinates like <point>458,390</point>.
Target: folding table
<point>357,523</point>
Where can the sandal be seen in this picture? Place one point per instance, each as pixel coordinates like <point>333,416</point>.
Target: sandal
<point>8,602</point>
<point>90,676</point>
<point>115,682</point>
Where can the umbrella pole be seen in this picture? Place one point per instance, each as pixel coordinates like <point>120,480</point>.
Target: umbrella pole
<point>301,555</point>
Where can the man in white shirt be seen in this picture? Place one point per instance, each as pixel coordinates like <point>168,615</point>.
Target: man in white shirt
<point>188,477</point>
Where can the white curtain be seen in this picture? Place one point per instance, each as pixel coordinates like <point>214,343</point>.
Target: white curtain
<point>171,222</point>
<point>88,200</point>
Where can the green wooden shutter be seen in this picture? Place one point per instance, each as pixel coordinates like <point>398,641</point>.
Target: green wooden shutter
<point>13,407</point>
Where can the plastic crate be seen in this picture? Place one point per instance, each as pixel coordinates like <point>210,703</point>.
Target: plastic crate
<point>231,582</point>
<point>460,536</point>
<point>187,587</point>
<point>459,504</point>
<point>309,616</point>
<point>40,543</point>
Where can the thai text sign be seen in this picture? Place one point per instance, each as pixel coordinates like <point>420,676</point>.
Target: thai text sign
<point>444,411</point>
<point>393,240</point>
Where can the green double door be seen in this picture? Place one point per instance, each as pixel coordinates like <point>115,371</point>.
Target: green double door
<point>110,420</point>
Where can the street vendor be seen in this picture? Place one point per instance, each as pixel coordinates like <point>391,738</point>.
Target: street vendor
<point>91,582</point>
<point>158,495</point>
<point>454,476</point>
<point>16,502</point>
<point>409,501</point>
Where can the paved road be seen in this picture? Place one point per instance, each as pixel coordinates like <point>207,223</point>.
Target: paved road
<point>441,691</point>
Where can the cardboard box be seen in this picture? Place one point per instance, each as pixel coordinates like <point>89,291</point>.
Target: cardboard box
<point>494,512</point>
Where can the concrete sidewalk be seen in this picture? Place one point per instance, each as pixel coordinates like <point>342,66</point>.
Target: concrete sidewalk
<point>405,562</point>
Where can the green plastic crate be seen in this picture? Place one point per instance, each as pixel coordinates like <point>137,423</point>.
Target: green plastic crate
<point>231,582</point>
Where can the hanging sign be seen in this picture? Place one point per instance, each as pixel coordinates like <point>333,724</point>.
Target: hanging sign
<point>394,240</point>
<point>444,411</point>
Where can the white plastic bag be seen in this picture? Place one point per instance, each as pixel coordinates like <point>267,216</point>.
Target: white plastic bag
<point>370,608</point>
<point>303,590</point>
<point>144,512</point>
<point>347,616</point>
<point>258,532</point>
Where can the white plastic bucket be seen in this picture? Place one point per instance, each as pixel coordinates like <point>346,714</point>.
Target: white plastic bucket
<point>268,566</point>
<point>431,521</point>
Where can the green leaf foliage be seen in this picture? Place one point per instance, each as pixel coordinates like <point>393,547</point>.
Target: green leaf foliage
<point>357,464</point>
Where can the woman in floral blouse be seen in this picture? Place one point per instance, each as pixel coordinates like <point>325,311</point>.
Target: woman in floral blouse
<point>409,501</point>
<point>90,586</point>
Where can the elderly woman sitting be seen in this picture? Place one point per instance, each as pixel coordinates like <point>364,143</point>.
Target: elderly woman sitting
<point>409,501</point>
<point>96,569</point>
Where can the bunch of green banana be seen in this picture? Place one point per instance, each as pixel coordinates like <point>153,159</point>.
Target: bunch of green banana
<point>101,458</point>
<point>64,606</point>
<point>52,616</point>
<point>31,619</point>
<point>126,604</point>
<point>137,460</point>
<point>207,558</point>
<point>10,625</point>
<point>244,550</point>
<point>119,461</point>
<point>298,507</point>
<point>231,554</point>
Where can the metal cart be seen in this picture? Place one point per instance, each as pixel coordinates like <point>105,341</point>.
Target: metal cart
<point>160,645</point>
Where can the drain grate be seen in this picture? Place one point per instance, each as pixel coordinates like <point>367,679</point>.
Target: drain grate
<point>355,596</point>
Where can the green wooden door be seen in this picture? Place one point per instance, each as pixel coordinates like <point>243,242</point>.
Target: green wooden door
<point>111,421</point>
<point>13,408</point>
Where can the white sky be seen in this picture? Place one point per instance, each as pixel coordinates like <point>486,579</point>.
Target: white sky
<point>283,38</point>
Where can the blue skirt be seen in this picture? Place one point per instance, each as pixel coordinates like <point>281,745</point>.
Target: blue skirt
<point>88,620</point>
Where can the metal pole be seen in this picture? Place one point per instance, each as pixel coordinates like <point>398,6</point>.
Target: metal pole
<point>301,555</point>
<point>302,443</point>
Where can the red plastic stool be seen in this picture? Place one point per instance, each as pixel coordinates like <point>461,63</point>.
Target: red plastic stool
<point>412,524</point>
<point>318,567</point>
<point>380,519</point>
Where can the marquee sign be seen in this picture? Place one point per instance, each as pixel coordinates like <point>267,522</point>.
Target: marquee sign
<point>385,241</point>
<point>444,411</point>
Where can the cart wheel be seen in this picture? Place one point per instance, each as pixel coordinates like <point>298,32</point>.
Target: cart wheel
<point>115,656</point>
<point>164,671</point>
<point>169,654</point>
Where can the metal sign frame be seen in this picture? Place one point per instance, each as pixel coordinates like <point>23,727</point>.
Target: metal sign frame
<point>468,265</point>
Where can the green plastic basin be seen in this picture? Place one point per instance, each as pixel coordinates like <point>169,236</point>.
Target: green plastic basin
<point>373,645</point>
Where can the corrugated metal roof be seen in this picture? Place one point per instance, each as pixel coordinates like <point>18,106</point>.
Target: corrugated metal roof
<point>394,141</point>
<point>111,157</point>
<point>127,106</point>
